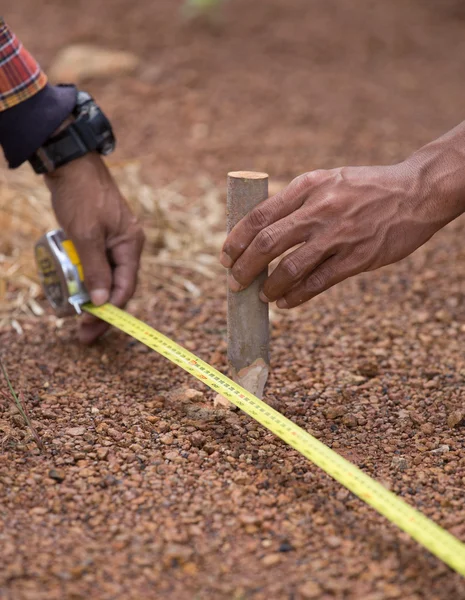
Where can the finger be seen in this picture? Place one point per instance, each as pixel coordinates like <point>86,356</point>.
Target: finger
<point>327,274</point>
<point>262,216</point>
<point>293,268</point>
<point>126,259</point>
<point>97,270</point>
<point>265,247</point>
<point>91,329</point>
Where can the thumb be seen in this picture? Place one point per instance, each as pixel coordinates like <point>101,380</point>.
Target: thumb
<point>97,270</point>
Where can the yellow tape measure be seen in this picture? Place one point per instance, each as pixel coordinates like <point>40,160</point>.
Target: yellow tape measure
<point>438,541</point>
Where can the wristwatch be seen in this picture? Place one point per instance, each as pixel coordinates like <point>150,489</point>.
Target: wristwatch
<point>89,130</point>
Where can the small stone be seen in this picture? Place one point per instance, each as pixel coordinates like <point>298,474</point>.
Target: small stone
<point>171,455</point>
<point>190,568</point>
<point>427,428</point>
<point>75,431</point>
<point>197,439</point>
<point>285,547</point>
<point>39,510</point>
<point>114,434</point>
<point>102,453</point>
<point>220,401</point>
<point>163,426</point>
<point>193,395</point>
<point>455,418</point>
<point>310,590</point>
<point>441,450</point>
<point>57,475</point>
<point>247,519</point>
<point>399,463</point>
<point>350,420</point>
<point>94,410</point>
<point>416,418</point>
<point>369,369</point>
<point>334,412</point>
<point>271,559</point>
<point>333,541</point>
<point>167,439</point>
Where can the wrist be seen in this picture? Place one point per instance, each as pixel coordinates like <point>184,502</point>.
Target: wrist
<point>84,166</point>
<point>438,175</point>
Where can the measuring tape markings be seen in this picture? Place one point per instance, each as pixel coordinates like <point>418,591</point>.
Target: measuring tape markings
<point>437,540</point>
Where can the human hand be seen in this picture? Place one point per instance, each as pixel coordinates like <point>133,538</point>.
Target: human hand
<point>344,221</point>
<point>107,236</point>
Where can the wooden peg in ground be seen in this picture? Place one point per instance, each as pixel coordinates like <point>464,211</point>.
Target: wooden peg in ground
<point>248,320</point>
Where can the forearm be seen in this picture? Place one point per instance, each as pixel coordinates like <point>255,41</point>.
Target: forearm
<point>30,108</point>
<point>439,175</point>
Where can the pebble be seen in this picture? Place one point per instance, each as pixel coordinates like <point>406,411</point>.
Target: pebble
<point>334,412</point>
<point>350,420</point>
<point>76,431</point>
<point>427,428</point>
<point>455,418</point>
<point>102,453</point>
<point>310,590</point>
<point>57,475</point>
<point>400,463</point>
<point>441,449</point>
<point>333,541</point>
<point>167,439</point>
<point>271,559</point>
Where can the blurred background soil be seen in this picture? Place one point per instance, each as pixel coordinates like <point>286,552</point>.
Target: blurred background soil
<point>144,491</point>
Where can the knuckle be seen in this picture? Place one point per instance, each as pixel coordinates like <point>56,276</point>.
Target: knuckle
<point>310,178</point>
<point>265,241</point>
<point>318,281</point>
<point>291,268</point>
<point>258,218</point>
<point>238,272</point>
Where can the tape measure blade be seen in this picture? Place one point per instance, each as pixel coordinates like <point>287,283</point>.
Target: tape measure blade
<point>430,535</point>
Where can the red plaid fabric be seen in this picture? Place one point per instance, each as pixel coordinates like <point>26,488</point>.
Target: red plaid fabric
<point>20,75</point>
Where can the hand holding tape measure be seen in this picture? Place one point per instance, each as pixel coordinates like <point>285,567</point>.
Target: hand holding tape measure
<point>63,282</point>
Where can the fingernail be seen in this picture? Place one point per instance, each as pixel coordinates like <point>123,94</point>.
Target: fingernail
<point>226,260</point>
<point>281,303</point>
<point>99,297</point>
<point>263,298</point>
<point>234,285</point>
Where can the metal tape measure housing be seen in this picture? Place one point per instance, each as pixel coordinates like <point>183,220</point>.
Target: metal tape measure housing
<point>61,273</point>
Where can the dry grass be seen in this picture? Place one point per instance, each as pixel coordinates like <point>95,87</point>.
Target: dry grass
<point>183,235</point>
<point>20,404</point>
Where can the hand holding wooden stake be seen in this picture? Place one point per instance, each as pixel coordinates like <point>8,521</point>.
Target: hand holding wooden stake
<point>248,321</point>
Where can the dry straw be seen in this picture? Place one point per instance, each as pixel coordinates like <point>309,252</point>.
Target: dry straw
<point>183,233</point>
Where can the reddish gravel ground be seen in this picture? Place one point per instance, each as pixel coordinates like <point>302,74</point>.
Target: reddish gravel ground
<point>146,491</point>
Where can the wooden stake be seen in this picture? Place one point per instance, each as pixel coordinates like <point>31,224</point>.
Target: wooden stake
<point>248,321</point>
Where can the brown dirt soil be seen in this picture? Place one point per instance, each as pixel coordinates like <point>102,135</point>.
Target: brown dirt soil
<point>144,490</point>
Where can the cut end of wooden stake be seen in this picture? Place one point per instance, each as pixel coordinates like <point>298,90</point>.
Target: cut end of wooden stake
<point>253,378</point>
<point>247,175</point>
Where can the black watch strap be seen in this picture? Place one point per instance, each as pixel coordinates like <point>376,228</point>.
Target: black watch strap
<point>89,131</point>
<point>64,147</point>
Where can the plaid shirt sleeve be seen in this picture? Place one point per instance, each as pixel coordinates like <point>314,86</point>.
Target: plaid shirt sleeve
<point>20,75</point>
